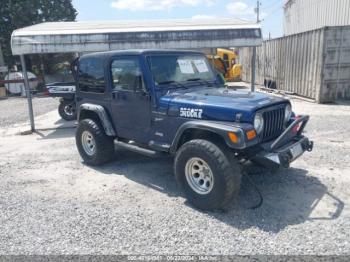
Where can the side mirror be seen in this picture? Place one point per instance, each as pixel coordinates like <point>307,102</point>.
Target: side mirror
<point>138,83</point>
<point>220,79</point>
<point>139,86</point>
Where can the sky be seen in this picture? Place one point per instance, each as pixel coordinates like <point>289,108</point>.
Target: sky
<point>271,11</point>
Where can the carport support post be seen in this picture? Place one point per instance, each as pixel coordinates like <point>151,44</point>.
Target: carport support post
<point>28,94</point>
<point>253,69</point>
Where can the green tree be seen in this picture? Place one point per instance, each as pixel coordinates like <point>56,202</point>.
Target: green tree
<point>16,14</point>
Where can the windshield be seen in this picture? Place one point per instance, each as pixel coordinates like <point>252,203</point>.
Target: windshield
<point>177,68</point>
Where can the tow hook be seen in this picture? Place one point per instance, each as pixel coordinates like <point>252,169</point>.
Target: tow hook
<point>310,146</point>
<point>286,159</point>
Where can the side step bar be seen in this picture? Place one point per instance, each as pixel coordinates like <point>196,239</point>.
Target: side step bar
<point>138,149</point>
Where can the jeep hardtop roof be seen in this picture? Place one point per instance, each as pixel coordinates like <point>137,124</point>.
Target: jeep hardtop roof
<point>139,52</point>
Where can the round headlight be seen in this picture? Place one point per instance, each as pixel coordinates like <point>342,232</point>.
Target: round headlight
<point>288,113</point>
<point>258,123</point>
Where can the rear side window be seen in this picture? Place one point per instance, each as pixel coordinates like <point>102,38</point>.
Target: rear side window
<point>91,75</point>
<point>126,74</point>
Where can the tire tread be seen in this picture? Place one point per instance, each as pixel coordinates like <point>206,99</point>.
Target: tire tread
<point>104,143</point>
<point>221,155</point>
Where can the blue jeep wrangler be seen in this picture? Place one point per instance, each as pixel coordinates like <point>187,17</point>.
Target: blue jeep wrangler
<point>173,102</point>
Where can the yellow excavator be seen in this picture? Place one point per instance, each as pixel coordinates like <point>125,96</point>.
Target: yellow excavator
<point>225,61</point>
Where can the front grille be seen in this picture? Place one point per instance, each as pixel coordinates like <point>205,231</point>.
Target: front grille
<point>273,123</point>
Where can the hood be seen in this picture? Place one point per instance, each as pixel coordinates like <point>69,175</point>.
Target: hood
<point>219,104</point>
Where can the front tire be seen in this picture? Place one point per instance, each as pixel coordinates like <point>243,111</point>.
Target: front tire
<point>209,176</point>
<point>94,146</point>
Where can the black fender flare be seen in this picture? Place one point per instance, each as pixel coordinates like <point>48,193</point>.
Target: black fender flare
<point>102,115</point>
<point>220,128</point>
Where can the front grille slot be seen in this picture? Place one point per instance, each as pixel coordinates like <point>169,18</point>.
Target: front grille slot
<point>273,123</point>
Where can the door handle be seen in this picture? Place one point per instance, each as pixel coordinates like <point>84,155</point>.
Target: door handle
<point>115,95</point>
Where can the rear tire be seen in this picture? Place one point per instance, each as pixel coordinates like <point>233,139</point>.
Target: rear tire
<point>94,146</point>
<point>207,160</point>
<point>67,110</point>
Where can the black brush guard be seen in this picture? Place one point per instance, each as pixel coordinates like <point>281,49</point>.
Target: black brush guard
<point>287,147</point>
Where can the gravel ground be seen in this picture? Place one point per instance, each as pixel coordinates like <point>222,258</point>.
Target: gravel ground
<point>14,110</point>
<point>51,203</point>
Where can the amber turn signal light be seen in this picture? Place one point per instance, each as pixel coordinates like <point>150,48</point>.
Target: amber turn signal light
<point>251,134</point>
<point>233,137</point>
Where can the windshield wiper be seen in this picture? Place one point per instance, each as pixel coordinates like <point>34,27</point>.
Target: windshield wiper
<point>172,82</point>
<point>199,79</point>
<point>194,79</point>
<point>167,82</point>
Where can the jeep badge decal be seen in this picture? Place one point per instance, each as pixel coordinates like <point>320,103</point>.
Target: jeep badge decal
<point>191,113</point>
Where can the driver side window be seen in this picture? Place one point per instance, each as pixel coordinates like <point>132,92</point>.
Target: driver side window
<point>126,74</point>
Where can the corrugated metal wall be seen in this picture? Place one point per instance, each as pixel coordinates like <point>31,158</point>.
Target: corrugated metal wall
<point>336,67</point>
<point>314,64</point>
<point>306,15</point>
<point>2,63</point>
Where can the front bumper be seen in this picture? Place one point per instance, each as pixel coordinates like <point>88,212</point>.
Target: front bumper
<point>286,148</point>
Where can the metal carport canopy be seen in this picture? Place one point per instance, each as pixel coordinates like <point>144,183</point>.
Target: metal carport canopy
<point>63,37</point>
<point>71,37</point>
